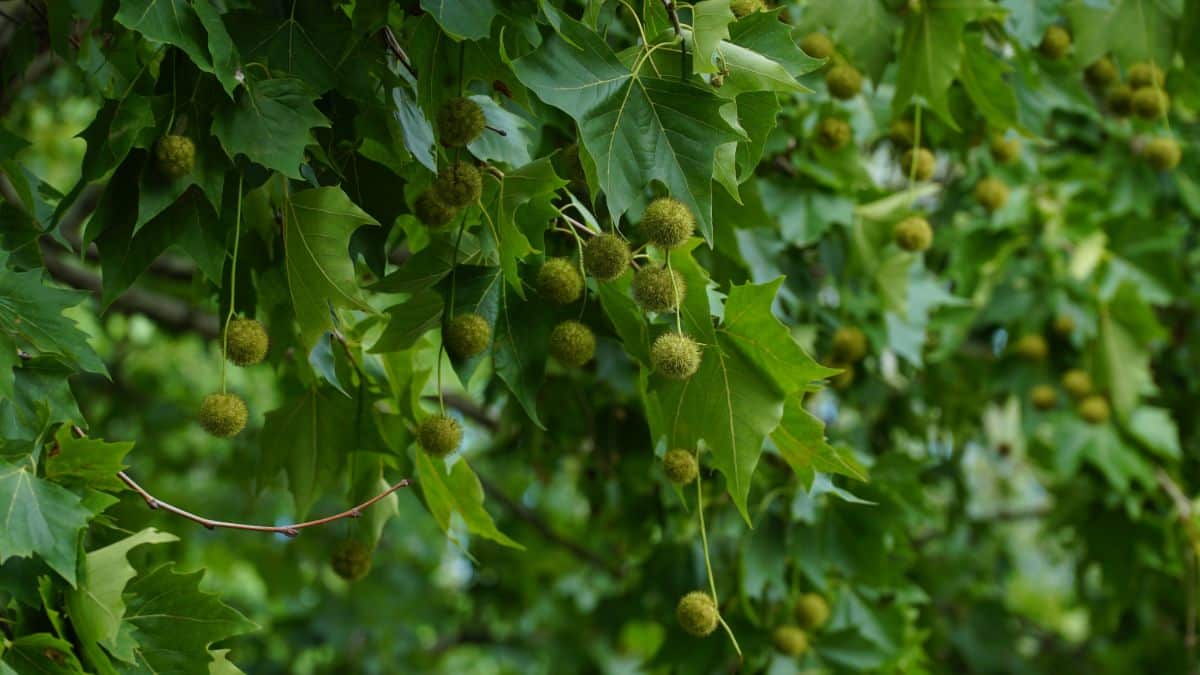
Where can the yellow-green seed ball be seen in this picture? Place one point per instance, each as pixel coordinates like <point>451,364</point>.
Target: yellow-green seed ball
<point>458,185</point>
<point>1077,383</point>
<point>844,81</point>
<point>1120,100</point>
<point>431,211</point>
<point>247,342</point>
<point>1064,325</point>
<point>559,281</point>
<point>913,234</point>
<point>919,163</point>
<point>606,256</point>
<point>680,466</point>
<point>460,121</point>
<point>1043,397</point>
<point>991,193</point>
<point>350,559</point>
<point>1056,42</point>
<point>572,343</point>
<point>849,345</point>
<point>668,222</point>
<point>1094,409</point>
<point>902,133</point>
<point>675,356</point>
<point>812,611</point>
<point>223,415</point>
<point>834,132</point>
<point>817,45</point>
<point>790,640</point>
<point>1146,75</point>
<point>1150,103</point>
<point>1004,149</point>
<point>1101,73</point>
<point>1163,154</point>
<point>657,289</point>
<point>1031,347</point>
<point>743,8</point>
<point>439,435</point>
<point>175,155</point>
<point>697,614</point>
<point>466,335</point>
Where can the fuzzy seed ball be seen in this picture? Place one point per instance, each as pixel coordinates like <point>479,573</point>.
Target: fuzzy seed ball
<point>697,613</point>
<point>1004,149</point>
<point>1094,409</point>
<point>991,193</point>
<point>351,559</point>
<point>1043,397</point>
<point>246,342</point>
<point>606,256</point>
<point>431,211</point>
<point>742,8</point>
<point>458,185</point>
<point>1056,42</point>
<point>844,81</point>
<point>1146,75</point>
<point>439,435</point>
<point>918,162</point>
<point>1077,383</point>
<point>849,345</point>
<point>790,640</point>
<point>460,121</point>
<point>817,45</point>
<point>1162,154</point>
<point>559,281</point>
<point>1150,103</point>
<point>658,289</point>
<point>834,132</point>
<point>466,335</point>
<point>812,611</point>
<point>680,466</point>
<point>668,222</point>
<point>844,379</point>
<point>223,415</point>
<point>902,133</point>
<point>1064,325</point>
<point>675,356</point>
<point>1101,73</point>
<point>1120,100</point>
<point>175,155</point>
<point>913,234</point>
<point>572,343</point>
<point>1031,347</point>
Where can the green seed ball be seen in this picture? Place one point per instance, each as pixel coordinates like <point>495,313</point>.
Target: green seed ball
<point>1163,154</point>
<point>559,281</point>
<point>918,162</point>
<point>1056,42</point>
<point>351,559</point>
<point>432,212</point>
<point>817,45</point>
<point>1120,100</point>
<point>812,611</point>
<point>902,133</point>
<point>1004,149</point>
<point>458,185</point>
<point>466,335</point>
<point>834,132</point>
<point>439,435</point>
<point>743,8</point>
<point>223,415</point>
<point>1094,409</point>
<point>1146,75</point>
<point>675,356</point>
<point>849,345</point>
<point>790,640</point>
<point>1032,347</point>
<point>1064,325</point>
<point>1150,103</point>
<point>844,379</point>
<point>991,193</point>
<point>844,81</point>
<point>1101,73</point>
<point>1043,397</point>
<point>658,289</point>
<point>460,121</point>
<point>175,155</point>
<point>572,343</point>
<point>680,466</point>
<point>668,222</point>
<point>913,234</point>
<point>1077,383</point>
<point>247,342</point>
<point>697,614</point>
<point>606,256</point>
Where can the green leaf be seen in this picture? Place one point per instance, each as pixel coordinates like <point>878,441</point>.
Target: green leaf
<point>408,321</point>
<point>710,22</point>
<point>762,55</point>
<point>982,75</point>
<point>463,19</point>
<point>41,654</point>
<point>31,316</point>
<point>800,438</point>
<point>86,462</point>
<point>1155,428</point>
<point>521,344</point>
<point>308,40</point>
<point>930,54</point>
<point>157,192</point>
<point>175,22</point>
<point>627,318</point>
<point>755,330</point>
<point>225,58</point>
<point>1132,30</point>
<point>39,517</point>
<point>1122,365</point>
<point>863,30</point>
<point>536,183</point>
<point>457,491</point>
<point>42,397</point>
<point>309,438</point>
<point>270,123</point>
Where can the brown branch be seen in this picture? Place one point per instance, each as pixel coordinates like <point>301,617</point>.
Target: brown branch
<point>394,45</point>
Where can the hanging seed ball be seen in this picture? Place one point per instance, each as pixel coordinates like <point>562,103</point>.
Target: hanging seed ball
<point>460,121</point>
<point>559,281</point>
<point>902,133</point>
<point>817,45</point>
<point>680,466</point>
<point>1120,100</point>
<point>458,185</point>
<point>439,435</point>
<point>1004,149</point>
<point>812,611</point>
<point>351,559</point>
<point>913,234</point>
<point>247,342</point>
<point>849,345</point>
<point>834,132</point>
<point>668,223</point>
<point>606,256</point>
<point>919,163</point>
<point>1094,409</point>
<point>675,356</point>
<point>1162,154</point>
<point>697,614</point>
<point>1056,42</point>
<point>431,211</point>
<point>223,415</point>
<point>790,640</point>
<point>743,8</point>
<point>175,156</point>
<point>1031,347</point>
<point>1101,73</point>
<point>1077,383</point>
<point>572,343</point>
<point>1064,325</point>
<point>844,81</point>
<point>1150,103</point>
<point>658,289</point>
<point>466,335</point>
<point>1043,397</point>
<point>844,379</point>
<point>991,193</point>
<point>1146,75</point>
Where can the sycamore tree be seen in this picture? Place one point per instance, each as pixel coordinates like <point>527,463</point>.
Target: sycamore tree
<point>557,336</point>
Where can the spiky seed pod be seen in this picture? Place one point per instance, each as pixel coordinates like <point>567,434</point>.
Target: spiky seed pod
<point>175,156</point>
<point>431,211</point>
<point>1077,383</point>
<point>572,343</point>
<point>439,435</point>
<point>1120,100</point>
<point>466,335</point>
<point>1101,73</point>
<point>1094,409</point>
<point>817,45</point>
<point>1004,149</point>
<point>247,342</point>
<point>1064,325</point>
<point>1150,103</point>
<point>680,466</point>
<point>460,121</point>
<point>223,415</point>
<point>812,611</point>
<point>849,345</point>
<point>923,160</point>
<point>844,81</point>
<point>1146,74</point>
<point>559,281</point>
<point>606,256</point>
<point>697,614</point>
<point>834,132</point>
<point>1043,397</point>
<point>790,640</point>
<point>675,356</point>
<point>902,133</point>
<point>350,559</point>
<point>844,379</point>
<point>1056,42</point>
<point>991,193</point>
<point>1162,154</point>
<point>913,234</point>
<point>458,185</point>
<point>658,289</point>
<point>1031,347</point>
<point>668,223</point>
<point>743,8</point>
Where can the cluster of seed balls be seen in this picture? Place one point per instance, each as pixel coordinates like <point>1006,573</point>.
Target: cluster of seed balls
<point>224,415</point>
<point>848,347</point>
<point>1143,95</point>
<point>698,615</point>
<point>1090,405</point>
<point>459,121</point>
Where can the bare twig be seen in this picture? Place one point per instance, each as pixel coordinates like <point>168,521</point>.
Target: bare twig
<point>394,45</point>
<point>1184,506</point>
